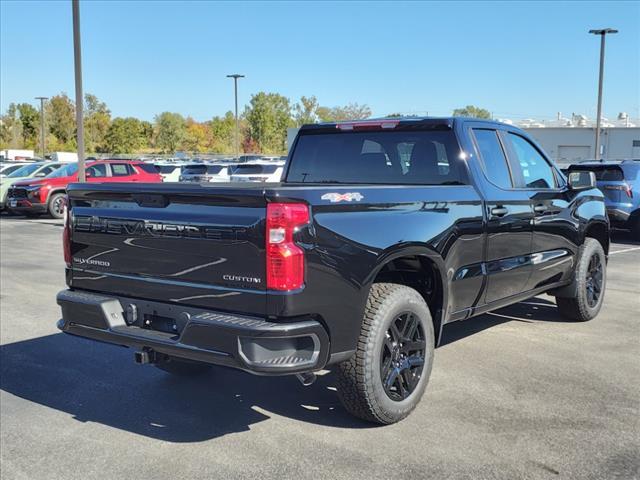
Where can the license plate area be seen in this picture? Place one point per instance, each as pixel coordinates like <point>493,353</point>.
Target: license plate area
<point>160,323</point>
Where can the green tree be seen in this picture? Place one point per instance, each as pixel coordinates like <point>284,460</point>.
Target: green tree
<point>60,114</point>
<point>472,111</point>
<point>125,135</point>
<point>169,131</point>
<point>29,118</point>
<point>351,111</point>
<point>197,136</point>
<point>147,134</point>
<point>97,119</point>
<point>222,133</point>
<point>268,116</point>
<point>11,128</point>
<point>305,111</point>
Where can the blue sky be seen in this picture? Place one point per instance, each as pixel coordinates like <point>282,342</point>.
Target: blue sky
<point>517,59</point>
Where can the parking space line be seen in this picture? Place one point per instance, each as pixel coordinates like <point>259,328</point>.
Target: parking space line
<point>632,249</point>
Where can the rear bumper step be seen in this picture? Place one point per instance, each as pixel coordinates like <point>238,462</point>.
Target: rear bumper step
<point>251,344</point>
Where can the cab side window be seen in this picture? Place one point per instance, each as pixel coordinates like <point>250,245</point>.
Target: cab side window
<point>98,170</point>
<point>494,161</point>
<point>121,170</point>
<point>536,171</point>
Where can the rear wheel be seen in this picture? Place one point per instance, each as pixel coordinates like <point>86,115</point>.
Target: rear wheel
<point>56,205</point>
<point>590,282</point>
<point>181,367</point>
<point>386,378</point>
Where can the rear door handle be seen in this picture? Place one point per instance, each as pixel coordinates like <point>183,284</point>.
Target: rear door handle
<point>499,211</point>
<point>540,208</point>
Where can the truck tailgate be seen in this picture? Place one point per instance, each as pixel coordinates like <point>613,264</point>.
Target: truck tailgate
<point>199,245</point>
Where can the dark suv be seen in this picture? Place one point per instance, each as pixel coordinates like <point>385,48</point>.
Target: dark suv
<point>620,183</point>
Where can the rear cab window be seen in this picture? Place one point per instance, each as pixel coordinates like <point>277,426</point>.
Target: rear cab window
<point>411,157</point>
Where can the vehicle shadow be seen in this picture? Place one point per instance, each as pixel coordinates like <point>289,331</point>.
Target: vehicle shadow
<point>623,237</point>
<point>96,382</point>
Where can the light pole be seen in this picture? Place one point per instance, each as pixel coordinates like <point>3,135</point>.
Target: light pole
<point>603,33</point>
<point>235,77</point>
<point>77,56</point>
<point>42,99</point>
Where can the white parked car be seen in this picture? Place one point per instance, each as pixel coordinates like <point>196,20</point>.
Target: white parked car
<point>206,172</point>
<point>7,168</point>
<point>258,172</point>
<point>170,172</point>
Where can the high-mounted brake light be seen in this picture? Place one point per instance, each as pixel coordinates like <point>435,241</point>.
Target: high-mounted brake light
<point>285,259</point>
<point>368,125</point>
<point>66,233</point>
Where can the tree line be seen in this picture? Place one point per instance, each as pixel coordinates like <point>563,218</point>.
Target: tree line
<point>263,126</point>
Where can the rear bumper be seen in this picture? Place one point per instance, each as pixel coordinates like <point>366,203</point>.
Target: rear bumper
<point>246,343</point>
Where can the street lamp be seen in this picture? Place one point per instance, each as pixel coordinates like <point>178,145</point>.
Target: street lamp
<point>77,56</point>
<point>42,99</point>
<point>603,33</point>
<point>235,77</point>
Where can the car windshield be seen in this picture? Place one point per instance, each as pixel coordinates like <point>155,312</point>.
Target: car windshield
<point>254,169</point>
<point>65,171</point>
<point>25,171</point>
<point>194,170</point>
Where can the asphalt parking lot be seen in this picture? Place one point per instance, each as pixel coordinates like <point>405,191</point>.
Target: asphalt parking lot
<point>519,393</point>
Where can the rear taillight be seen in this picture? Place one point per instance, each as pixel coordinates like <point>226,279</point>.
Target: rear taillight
<point>66,234</point>
<point>628,191</point>
<point>285,259</point>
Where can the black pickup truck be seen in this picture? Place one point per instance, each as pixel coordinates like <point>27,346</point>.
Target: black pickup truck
<point>381,232</point>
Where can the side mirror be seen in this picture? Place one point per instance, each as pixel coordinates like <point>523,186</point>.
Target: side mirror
<point>581,180</point>
<point>88,174</point>
<point>40,174</point>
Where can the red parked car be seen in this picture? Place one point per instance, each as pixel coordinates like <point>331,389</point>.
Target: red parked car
<point>37,196</point>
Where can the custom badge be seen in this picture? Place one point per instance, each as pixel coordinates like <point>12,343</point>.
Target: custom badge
<point>335,197</point>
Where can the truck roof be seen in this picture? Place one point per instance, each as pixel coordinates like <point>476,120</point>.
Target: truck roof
<point>446,122</point>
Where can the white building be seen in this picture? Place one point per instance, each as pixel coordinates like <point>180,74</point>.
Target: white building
<point>572,140</point>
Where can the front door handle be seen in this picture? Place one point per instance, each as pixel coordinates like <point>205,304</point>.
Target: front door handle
<point>540,208</point>
<point>499,211</point>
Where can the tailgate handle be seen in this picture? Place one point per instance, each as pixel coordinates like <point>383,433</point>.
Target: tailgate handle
<point>149,200</point>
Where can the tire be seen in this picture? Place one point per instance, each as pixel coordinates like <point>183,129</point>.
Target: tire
<point>360,379</point>
<point>56,205</point>
<point>590,284</point>
<point>180,367</point>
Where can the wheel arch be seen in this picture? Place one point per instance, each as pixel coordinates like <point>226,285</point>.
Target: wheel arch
<point>599,231</point>
<point>422,269</point>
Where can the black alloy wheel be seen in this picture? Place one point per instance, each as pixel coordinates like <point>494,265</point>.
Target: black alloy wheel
<point>593,284</point>
<point>402,356</point>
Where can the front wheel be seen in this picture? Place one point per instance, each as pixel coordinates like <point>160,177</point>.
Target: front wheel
<point>590,282</point>
<point>56,205</point>
<point>387,376</point>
